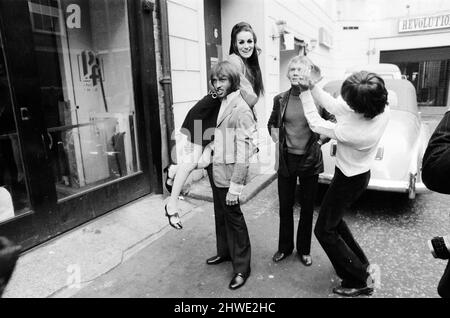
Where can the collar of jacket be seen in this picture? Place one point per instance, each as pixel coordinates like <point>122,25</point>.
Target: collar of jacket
<point>284,100</point>
<point>231,104</point>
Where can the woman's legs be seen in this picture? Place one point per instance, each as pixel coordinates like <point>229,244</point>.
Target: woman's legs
<point>203,163</point>
<point>206,157</point>
<point>333,234</point>
<point>189,158</point>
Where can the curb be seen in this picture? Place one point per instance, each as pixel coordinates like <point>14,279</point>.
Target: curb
<point>202,191</point>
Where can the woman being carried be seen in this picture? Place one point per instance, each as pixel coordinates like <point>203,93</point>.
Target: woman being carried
<point>201,120</point>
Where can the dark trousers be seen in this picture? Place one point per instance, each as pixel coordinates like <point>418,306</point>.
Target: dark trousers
<point>231,230</point>
<point>444,284</point>
<point>333,234</point>
<point>286,196</point>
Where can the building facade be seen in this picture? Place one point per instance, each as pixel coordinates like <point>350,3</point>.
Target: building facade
<point>199,33</point>
<point>411,34</point>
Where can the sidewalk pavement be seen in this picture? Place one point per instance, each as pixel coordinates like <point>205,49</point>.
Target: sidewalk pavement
<point>60,267</point>
<point>54,268</point>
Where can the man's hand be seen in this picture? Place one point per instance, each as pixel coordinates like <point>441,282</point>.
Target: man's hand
<point>231,199</point>
<point>275,134</point>
<point>310,77</point>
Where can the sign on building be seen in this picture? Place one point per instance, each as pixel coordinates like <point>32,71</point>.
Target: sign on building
<point>434,22</point>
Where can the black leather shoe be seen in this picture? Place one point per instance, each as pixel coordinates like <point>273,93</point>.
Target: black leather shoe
<point>353,292</point>
<point>217,260</point>
<point>238,281</point>
<point>306,259</point>
<point>278,256</point>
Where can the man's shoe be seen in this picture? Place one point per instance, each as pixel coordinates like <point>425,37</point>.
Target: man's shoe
<point>217,260</point>
<point>306,260</point>
<point>279,256</point>
<point>353,292</point>
<point>238,281</point>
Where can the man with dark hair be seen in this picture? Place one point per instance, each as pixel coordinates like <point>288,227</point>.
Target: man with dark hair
<point>9,253</point>
<point>362,117</point>
<point>436,176</point>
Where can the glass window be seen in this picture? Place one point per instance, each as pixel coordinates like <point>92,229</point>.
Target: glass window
<point>431,80</point>
<point>13,191</point>
<point>84,61</point>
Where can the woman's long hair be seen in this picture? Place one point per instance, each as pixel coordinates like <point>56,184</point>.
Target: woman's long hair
<point>252,62</point>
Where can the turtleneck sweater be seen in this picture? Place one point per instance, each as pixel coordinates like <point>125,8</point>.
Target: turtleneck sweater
<point>295,124</point>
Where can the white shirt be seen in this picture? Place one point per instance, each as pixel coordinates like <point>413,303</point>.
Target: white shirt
<point>357,137</point>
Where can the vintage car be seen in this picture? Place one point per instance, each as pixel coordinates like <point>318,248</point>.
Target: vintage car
<point>398,163</point>
<point>385,70</point>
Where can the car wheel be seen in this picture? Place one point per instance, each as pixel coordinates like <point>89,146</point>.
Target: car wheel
<point>412,186</point>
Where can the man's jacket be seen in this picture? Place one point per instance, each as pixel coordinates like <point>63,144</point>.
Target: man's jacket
<point>436,160</point>
<point>234,145</point>
<point>312,160</point>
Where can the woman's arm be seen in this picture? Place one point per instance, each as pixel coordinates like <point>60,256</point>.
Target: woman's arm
<point>315,121</point>
<point>336,106</point>
<point>246,87</point>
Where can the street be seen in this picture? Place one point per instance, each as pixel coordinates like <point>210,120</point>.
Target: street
<point>391,229</point>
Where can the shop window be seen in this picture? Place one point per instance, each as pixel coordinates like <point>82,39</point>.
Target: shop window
<point>14,198</point>
<point>431,80</point>
<point>84,62</point>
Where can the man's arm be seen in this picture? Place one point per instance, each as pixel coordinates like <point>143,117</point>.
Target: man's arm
<point>436,161</point>
<point>272,123</point>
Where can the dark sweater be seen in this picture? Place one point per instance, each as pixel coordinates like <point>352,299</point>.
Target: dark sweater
<point>296,126</point>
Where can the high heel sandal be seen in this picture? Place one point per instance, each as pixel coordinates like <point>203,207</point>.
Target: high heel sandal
<point>175,225</point>
<point>168,186</point>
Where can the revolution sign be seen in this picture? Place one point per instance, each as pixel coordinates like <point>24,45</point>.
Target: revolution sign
<point>441,21</point>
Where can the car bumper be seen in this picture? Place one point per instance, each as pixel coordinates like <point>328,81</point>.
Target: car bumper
<point>383,185</point>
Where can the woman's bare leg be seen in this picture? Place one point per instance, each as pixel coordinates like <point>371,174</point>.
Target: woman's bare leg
<point>206,158</point>
<point>189,158</point>
<point>183,172</point>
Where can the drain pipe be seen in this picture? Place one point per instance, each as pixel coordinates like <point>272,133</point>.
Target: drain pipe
<point>166,78</point>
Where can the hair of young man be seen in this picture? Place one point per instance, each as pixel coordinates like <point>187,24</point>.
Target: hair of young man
<point>365,93</point>
<point>252,62</point>
<point>228,70</point>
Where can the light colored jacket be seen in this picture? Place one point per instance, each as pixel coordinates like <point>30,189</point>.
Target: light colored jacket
<point>234,145</point>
